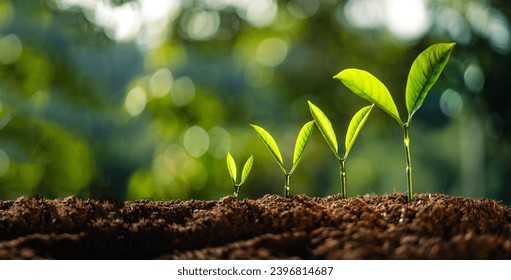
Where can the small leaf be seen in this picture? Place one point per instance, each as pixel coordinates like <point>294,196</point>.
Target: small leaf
<point>356,124</point>
<point>231,165</point>
<point>367,86</point>
<point>325,127</point>
<point>301,142</point>
<point>246,169</point>
<point>270,144</point>
<point>424,72</point>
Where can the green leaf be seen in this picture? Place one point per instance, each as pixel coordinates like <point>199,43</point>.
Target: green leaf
<point>246,169</point>
<point>301,143</point>
<point>270,144</point>
<point>367,86</point>
<point>325,127</point>
<point>231,165</point>
<point>356,124</point>
<point>424,72</point>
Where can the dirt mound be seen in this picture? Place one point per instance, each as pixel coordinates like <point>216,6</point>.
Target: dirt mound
<point>299,227</point>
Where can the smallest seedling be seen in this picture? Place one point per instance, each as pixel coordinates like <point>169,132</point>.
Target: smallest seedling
<point>231,165</point>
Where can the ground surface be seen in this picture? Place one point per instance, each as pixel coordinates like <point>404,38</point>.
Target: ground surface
<point>381,227</point>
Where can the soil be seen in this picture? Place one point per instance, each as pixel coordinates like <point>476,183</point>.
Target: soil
<point>369,227</point>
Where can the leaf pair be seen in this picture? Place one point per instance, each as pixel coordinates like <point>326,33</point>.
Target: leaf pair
<point>231,166</point>
<point>423,74</point>
<point>301,143</point>
<point>326,129</point>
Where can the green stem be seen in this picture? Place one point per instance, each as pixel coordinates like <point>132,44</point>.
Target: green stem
<point>344,190</point>
<point>287,186</point>
<point>236,190</point>
<point>409,166</point>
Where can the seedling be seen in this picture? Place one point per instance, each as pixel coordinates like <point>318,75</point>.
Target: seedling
<point>301,142</point>
<point>231,166</point>
<point>423,74</point>
<point>325,126</point>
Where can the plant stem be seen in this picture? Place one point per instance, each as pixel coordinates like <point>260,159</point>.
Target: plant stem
<point>409,166</point>
<point>287,186</point>
<point>344,190</point>
<point>236,190</point>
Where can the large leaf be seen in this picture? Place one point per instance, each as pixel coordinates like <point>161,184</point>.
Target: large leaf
<point>356,124</point>
<point>367,86</point>
<point>424,72</point>
<point>301,142</point>
<point>325,127</point>
<point>270,144</point>
<point>231,165</point>
<point>246,169</point>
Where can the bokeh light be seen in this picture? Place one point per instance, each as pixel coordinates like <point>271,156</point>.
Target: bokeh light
<point>140,99</point>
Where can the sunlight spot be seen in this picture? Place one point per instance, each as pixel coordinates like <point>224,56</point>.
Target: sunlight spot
<point>451,103</point>
<point>478,16</point>
<point>144,20</point>
<point>220,142</point>
<point>122,22</point>
<point>271,52</point>
<point>499,33</point>
<point>491,24</point>
<point>10,49</point>
<point>183,91</point>
<point>474,78</point>
<point>452,23</point>
<point>161,82</point>
<point>365,14</point>
<point>196,141</point>
<point>259,13</point>
<point>407,19</point>
<point>201,25</point>
<point>135,101</point>
<point>169,163</point>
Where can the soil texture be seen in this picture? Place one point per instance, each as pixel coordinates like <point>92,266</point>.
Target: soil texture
<point>370,227</point>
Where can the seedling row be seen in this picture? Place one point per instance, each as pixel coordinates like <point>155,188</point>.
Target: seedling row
<point>424,73</point>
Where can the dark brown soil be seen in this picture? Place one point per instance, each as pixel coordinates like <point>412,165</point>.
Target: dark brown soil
<point>381,227</point>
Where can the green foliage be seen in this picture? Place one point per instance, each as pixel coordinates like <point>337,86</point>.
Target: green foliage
<point>301,143</point>
<point>231,166</point>
<point>246,169</point>
<point>367,86</point>
<point>423,74</point>
<point>325,126</point>
<point>356,124</point>
<point>270,143</point>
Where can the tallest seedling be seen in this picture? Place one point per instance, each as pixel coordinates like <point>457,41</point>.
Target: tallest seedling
<point>425,71</point>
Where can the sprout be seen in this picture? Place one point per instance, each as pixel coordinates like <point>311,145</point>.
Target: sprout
<point>301,143</point>
<point>231,166</point>
<point>325,126</point>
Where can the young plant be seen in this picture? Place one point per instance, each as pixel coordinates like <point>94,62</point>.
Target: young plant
<point>423,74</point>
<point>231,166</point>
<point>301,142</point>
<point>325,126</point>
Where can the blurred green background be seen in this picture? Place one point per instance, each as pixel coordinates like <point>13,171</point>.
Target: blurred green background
<point>143,99</point>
